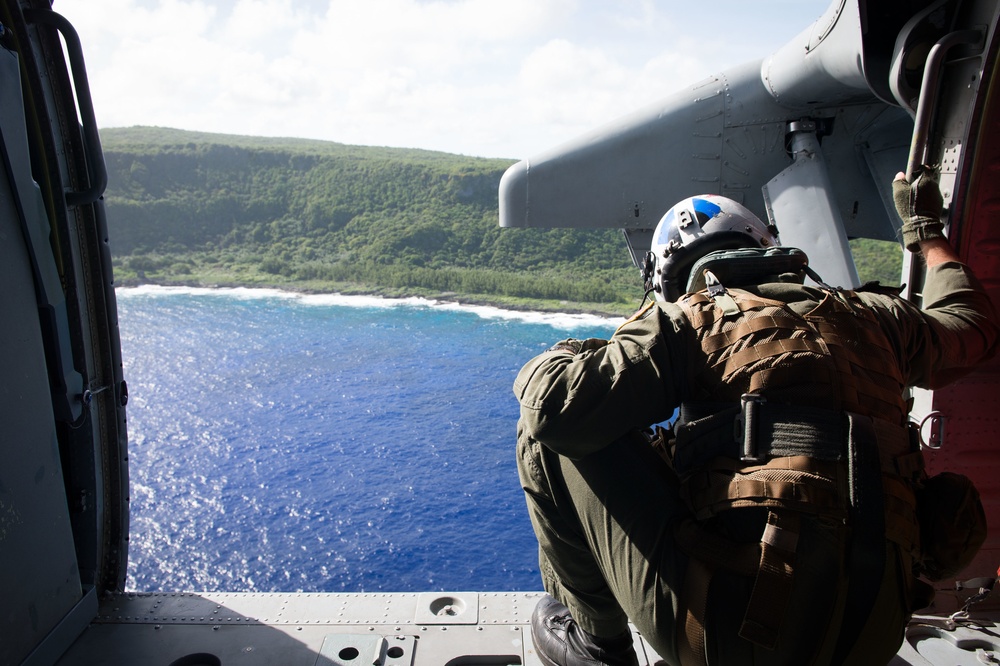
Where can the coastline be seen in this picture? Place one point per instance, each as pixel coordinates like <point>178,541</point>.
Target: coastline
<point>618,311</point>
<point>562,314</point>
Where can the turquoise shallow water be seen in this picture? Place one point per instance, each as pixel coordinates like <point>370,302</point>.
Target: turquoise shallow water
<point>282,442</point>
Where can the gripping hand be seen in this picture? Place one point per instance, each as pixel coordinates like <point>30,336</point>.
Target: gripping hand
<point>919,206</point>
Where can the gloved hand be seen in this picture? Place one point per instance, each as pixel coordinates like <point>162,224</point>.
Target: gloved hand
<point>919,206</point>
<point>570,345</point>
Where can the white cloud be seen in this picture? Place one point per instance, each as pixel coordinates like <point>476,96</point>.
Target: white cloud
<point>255,24</point>
<point>475,76</point>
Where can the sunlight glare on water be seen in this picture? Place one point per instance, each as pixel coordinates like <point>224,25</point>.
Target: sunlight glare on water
<point>281,442</point>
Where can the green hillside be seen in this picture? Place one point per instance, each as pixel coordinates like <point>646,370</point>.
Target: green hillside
<point>197,208</point>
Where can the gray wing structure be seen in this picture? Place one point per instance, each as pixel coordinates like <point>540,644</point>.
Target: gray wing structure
<point>809,137</point>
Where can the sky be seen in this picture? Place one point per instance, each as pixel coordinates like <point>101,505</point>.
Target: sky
<point>489,78</point>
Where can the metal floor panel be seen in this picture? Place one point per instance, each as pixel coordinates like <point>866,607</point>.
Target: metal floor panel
<point>393,629</point>
<point>224,629</point>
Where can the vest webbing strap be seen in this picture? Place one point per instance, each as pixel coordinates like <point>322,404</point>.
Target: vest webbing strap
<point>691,637</point>
<point>863,337</point>
<point>728,338</point>
<point>773,586</point>
<point>862,390</point>
<point>784,376</point>
<point>698,307</point>
<point>814,487</point>
<point>796,482</point>
<point>771,562</point>
<point>765,350</point>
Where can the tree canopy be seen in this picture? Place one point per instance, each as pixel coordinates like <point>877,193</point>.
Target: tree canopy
<point>219,209</point>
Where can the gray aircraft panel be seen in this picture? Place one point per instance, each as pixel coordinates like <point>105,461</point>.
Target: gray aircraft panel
<point>389,629</point>
<point>628,173</point>
<point>729,135</point>
<point>820,66</point>
<point>725,135</point>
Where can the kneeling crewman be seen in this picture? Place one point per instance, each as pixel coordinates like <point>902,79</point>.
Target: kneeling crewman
<point>776,523</point>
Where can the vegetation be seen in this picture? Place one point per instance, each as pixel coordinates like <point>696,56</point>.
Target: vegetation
<point>878,260</point>
<point>196,208</point>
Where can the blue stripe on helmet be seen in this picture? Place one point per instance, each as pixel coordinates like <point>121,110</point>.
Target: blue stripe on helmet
<point>665,227</point>
<point>706,207</point>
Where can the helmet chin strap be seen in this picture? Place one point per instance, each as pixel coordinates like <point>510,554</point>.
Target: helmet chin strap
<point>814,276</point>
<point>648,270</point>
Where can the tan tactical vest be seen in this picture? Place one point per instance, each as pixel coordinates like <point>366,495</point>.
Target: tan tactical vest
<point>834,357</point>
<point>796,413</point>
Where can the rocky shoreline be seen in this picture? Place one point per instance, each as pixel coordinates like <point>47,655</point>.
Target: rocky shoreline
<point>501,302</point>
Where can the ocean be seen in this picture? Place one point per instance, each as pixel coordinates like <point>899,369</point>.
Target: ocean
<point>282,442</point>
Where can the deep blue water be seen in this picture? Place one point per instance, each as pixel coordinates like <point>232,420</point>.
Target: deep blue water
<point>285,443</point>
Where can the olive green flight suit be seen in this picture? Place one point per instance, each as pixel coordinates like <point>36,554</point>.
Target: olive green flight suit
<point>605,506</point>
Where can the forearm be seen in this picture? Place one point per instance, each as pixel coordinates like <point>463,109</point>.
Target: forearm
<point>937,251</point>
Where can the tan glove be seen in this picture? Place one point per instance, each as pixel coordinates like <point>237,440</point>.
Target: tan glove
<point>919,206</point>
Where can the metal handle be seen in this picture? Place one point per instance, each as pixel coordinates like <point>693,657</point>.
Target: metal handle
<point>919,151</point>
<point>98,171</point>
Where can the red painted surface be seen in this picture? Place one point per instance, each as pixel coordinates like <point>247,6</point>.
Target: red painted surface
<point>972,406</point>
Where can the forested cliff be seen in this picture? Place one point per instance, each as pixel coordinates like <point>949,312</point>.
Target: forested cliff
<point>196,208</point>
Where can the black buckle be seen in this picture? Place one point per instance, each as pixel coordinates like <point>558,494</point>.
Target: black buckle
<point>745,427</point>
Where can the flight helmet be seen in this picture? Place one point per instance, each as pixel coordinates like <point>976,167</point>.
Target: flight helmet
<point>693,228</point>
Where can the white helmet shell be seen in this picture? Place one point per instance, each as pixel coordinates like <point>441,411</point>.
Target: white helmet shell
<point>693,228</point>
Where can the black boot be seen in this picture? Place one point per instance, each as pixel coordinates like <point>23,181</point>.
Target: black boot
<point>560,641</point>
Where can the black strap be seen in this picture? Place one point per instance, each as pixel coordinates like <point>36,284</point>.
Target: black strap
<point>867,542</point>
<point>707,430</point>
